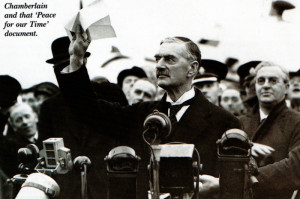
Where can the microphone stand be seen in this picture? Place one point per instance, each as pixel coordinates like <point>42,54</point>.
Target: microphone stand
<point>82,163</point>
<point>155,156</point>
<point>160,125</point>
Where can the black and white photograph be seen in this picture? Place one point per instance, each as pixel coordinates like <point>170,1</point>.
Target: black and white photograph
<point>157,99</point>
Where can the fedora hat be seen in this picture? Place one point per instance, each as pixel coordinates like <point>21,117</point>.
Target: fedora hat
<point>60,50</point>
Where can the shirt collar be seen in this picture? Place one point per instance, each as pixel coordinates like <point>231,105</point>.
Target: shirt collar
<point>186,96</point>
<point>262,115</point>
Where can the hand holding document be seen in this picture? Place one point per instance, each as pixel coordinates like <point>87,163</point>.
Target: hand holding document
<point>94,18</point>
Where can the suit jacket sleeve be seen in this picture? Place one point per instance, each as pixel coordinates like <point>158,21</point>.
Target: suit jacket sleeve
<point>280,176</point>
<point>111,117</point>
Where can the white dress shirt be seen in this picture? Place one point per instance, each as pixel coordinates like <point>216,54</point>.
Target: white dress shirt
<point>262,115</point>
<point>186,96</point>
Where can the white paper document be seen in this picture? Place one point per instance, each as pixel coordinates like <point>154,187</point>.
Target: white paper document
<point>95,18</point>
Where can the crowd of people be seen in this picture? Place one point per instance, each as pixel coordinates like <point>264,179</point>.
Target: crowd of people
<point>94,115</point>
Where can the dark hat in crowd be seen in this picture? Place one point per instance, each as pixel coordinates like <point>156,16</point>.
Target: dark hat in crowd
<point>246,71</point>
<point>134,71</point>
<point>9,90</point>
<point>211,71</point>
<point>282,5</point>
<point>294,74</point>
<point>230,61</point>
<point>60,50</point>
<point>46,88</point>
<point>116,54</point>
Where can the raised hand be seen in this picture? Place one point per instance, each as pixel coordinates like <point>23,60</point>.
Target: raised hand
<point>78,47</point>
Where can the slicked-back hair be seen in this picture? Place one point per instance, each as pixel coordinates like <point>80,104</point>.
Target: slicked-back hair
<point>284,74</point>
<point>193,49</point>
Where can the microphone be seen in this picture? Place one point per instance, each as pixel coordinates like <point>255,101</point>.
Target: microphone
<point>81,161</point>
<point>160,122</point>
<point>28,154</point>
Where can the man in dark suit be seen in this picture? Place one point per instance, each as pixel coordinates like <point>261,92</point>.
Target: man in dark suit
<point>21,131</point>
<point>198,122</point>
<point>274,129</point>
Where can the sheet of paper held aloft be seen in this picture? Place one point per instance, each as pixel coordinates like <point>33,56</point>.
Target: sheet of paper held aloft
<point>95,18</point>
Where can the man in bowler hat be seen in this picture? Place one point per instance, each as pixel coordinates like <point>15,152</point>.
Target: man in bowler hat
<point>128,77</point>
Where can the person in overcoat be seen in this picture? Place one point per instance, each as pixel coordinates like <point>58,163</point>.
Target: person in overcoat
<point>56,119</point>
<point>199,122</point>
<point>274,129</point>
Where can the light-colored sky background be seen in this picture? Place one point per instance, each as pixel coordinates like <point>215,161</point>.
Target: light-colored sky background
<point>243,27</point>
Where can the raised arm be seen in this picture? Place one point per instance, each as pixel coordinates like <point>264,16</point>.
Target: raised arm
<point>78,47</point>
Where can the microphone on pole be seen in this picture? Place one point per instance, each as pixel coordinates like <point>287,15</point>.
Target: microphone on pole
<point>82,163</point>
<point>159,123</point>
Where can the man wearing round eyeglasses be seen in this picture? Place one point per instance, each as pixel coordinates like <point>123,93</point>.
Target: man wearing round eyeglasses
<point>274,129</point>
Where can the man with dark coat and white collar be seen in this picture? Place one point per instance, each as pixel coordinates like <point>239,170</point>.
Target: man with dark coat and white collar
<point>199,122</point>
<point>21,131</point>
<point>274,129</point>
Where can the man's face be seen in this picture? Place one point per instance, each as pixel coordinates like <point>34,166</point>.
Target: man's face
<point>294,88</point>
<point>142,91</point>
<point>172,65</point>
<point>211,90</point>
<point>23,120</point>
<point>269,85</point>
<point>28,98</point>
<point>232,102</point>
<point>128,83</point>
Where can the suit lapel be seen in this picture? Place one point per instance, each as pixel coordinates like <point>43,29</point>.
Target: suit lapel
<point>162,105</point>
<point>269,122</point>
<point>253,125</point>
<point>193,122</point>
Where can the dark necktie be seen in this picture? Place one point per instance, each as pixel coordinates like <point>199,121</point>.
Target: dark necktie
<point>174,110</point>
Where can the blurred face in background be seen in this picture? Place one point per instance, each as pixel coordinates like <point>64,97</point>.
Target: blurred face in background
<point>128,83</point>
<point>142,91</point>
<point>211,90</point>
<point>23,120</point>
<point>294,88</point>
<point>28,98</point>
<point>232,102</point>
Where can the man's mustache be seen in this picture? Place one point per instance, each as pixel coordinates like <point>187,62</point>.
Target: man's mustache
<point>162,72</point>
